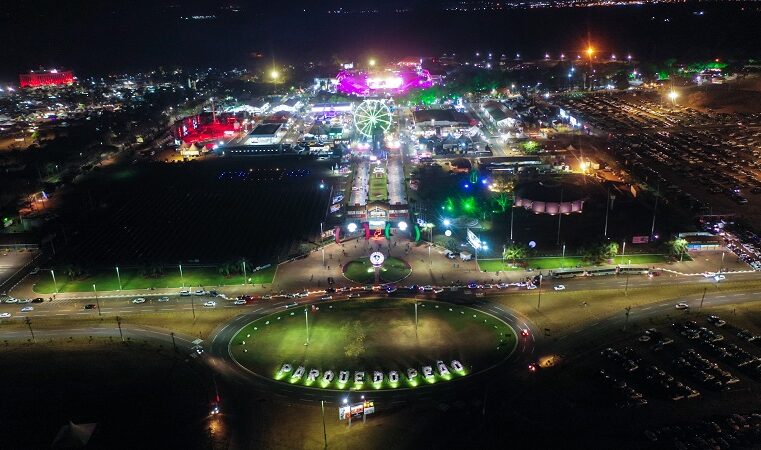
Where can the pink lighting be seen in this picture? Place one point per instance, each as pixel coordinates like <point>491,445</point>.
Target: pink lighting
<point>388,82</point>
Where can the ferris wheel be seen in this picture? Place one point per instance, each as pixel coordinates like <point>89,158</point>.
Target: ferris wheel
<point>372,115</point>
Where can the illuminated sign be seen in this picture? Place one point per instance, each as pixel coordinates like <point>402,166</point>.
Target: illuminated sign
<point>377,258</point>
<point>474,241</point>
<point>356,409</point>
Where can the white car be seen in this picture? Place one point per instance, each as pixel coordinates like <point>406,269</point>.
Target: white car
<point>24,301</point>
<point>438,290</point>
<point>164,299</point>
<point>530,286</point>
<point>719,277</point>
<point>10,300</point>
<point>5,315</point>
<point>682,305</point>
<point>200,292</point>
<point>559,287</point>
<point>27,308</point>
<point>239,302</point>
<point>138,300</point>
<point>709,274</point>
<point>210,304</point>
<point>185,293</point>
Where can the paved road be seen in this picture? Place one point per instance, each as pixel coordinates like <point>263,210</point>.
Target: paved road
<point>397,194</point>
<point>360,184</point>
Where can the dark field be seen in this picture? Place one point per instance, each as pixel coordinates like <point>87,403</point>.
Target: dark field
<point>210,211</point>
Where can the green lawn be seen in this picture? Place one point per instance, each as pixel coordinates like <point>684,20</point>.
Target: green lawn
<point>547,263</point>
<point>361,271</point>
<point>378,190</point>
<point>106,280</point>
<point>445,332</point>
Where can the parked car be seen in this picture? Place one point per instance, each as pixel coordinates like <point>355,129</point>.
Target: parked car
<point>91,306</point>
<point>185,293</point>
<point>209,304</point>
<point>138,300</point>
<point>681,305</point>
<point>163,299</point>
<point>559,287</point>
<point>38,300</point>
<point>239,302</point>
<point>27,309</point>
<point>5,315</point>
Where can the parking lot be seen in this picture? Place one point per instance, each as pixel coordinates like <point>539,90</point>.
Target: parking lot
<point>704,360</point>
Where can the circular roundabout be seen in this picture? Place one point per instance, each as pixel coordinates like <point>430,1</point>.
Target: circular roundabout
<point>362,270</point>
<point>372,344</point>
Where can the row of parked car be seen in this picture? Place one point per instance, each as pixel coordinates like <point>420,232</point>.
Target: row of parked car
<point>718,432</point>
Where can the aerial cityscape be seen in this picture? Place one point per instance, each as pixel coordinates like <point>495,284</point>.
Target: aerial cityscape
<point>421,224</point>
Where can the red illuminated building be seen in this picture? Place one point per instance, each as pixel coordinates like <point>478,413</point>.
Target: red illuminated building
<point>45,78</point>
<point>205,130</point>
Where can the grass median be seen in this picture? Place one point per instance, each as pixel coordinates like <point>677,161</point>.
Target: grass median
<point>132,278</point>
<point>569,262</point>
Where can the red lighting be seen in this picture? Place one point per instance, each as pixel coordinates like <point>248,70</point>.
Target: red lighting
<point>47,78</point>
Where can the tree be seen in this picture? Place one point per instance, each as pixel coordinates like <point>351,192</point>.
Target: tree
<point>677,247</point>
<point>503,200</point>
<point>608,250</point>
<point>514,252</point>
<point>531,147</point>
<point>224,269</point>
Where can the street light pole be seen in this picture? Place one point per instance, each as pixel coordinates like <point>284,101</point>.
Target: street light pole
<point>28,323</point>
<point>306,319</point>
<point>182,280</point>
<point>55,285</point>
<point>721,266</point>
<point>562,261</point>
<point>416,318</point>
<point>607,209</point>
<point>623,252</point>
<point>701,299</point>
<point>244,271</point>
<point>512,214</point>
<point>627,309</point>
<point>539,302</point>
<point>97,302</point>
<point>119,324</point>
<point>118,277</point>
<point>324,430</point>
<point>193,305</point>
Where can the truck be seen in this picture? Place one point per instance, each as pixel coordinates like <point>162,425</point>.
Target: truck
<point>465,256</point>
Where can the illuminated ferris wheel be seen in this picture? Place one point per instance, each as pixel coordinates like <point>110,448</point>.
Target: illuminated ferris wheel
<point>371,116</point>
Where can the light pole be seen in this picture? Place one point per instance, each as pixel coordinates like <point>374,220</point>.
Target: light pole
<point>623,252</point>
<point>55,285</point>
<point>701,300</point>
<point>97,302</point>
<point>119,324</point>
<point>607,209</point>
<point>324,430</point>
<point>244,271</point>
<point>28,323</point>
<point>118,277</point>
<point>627,309</point>
<point>512,214</point>
<point>721,266</point>
<point>415,317</point>
<point>562,261</point>
<point>306,319</point>
<point>655,207</point>
<point>560,215</point>
<point>182,280</point>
